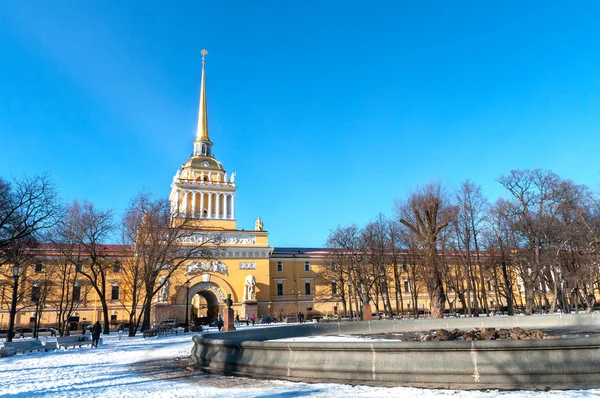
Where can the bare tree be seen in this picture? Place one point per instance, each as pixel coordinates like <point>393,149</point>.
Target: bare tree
<point>472,209</point>
<point>345,253</point>
<point>160,245</point>
<point>27,208</point>
<point>501,244</point>
<point>81,237</point>
<point>68,290</point>
<point>533,208</point>
<point>395,250</point>
<point>16,292</point>
<point>425,214</point>
<point>375,237</point>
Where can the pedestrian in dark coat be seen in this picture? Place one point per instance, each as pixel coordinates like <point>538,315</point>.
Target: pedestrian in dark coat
<point>96,330</point>
<point>219,322</point>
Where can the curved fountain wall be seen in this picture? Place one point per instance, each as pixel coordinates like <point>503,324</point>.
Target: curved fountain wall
<point>505,364</point>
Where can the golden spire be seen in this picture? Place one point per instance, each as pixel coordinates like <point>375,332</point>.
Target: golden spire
<point>202,130</point>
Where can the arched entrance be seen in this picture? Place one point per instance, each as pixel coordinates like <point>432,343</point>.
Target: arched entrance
<point>204,306</point>
<point>204,298</point>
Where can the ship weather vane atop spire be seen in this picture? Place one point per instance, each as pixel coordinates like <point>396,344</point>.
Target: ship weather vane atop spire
<point>202,130</point>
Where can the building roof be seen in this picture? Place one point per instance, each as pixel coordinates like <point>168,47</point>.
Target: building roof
<point>298,250</point>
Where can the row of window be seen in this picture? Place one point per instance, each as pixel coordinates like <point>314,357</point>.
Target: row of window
<point>39,267</point>
<point>404,267</point>
<point>307,289</point>
<point>36,293</point>
<point>280,266</point>
<point>117,266</point>
<point>334,290</point>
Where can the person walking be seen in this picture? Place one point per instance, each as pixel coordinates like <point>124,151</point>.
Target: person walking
<point>219,322</point>
<point>237,320</point>
<point>96,330</point>
<point>253,319</point>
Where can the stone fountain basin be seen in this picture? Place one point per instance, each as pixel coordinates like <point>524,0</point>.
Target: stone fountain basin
<point>567,363</point>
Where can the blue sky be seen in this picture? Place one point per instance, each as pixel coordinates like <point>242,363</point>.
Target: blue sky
<point>326,110</point>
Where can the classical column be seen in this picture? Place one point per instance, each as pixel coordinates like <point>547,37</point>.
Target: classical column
<point>193,204</point>
<point>202,204</point>
<point>232,206</point>
<point>218,197</point>
<point>228,216</point>
<point>210,195</point>
<point>177,208</point>
<point>185,203</point>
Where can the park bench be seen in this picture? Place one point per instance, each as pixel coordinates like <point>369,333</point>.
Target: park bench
<point>24,346</point>
<point>7,351</point>
<point>74,341</point>
<point>51,345</point>
<point>162,331</point>
<point>151,332</point>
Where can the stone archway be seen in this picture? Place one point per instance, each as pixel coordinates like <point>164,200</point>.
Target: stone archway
<point>207,305</point>
<point>214,283</point>
<point>203,299</point>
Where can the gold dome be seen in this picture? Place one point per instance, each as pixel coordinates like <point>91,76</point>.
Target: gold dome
<point>203,163</point>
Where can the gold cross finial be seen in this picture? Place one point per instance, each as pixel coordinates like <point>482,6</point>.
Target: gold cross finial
<point>203,52</point>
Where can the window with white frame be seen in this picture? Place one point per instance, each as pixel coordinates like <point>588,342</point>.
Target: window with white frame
<point>114,292</point>
<point>39,267</point>
<point>280,288</point>
<point>307,290</point>
<point>307,266</point>
<point>406,286</point>
<point>279,266</point>
<point>333,288</point>
<point>76,293</point>
<point>36,293</point>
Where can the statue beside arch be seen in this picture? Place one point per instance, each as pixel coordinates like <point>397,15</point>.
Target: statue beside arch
<point>163,293</point>
<point>249,288</point>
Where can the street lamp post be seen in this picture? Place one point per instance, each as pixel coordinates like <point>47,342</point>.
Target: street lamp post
<point>16,270</point>
<point>350,297</point>
<point>187,305</point>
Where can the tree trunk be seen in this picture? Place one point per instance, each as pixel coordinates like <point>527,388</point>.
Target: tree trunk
<point>343,298</point>
<point>508,288</point>
<point>398,292</point>
<point>437,295</point>
<point>529,296</point>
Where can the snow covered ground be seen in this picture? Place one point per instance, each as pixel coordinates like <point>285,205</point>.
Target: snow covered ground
<point>135,367</point>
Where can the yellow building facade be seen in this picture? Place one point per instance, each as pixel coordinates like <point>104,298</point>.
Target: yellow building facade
<point>261,280</point>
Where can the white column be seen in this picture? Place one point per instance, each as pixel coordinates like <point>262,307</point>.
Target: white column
<point>232,206</point>
<point>193,204</point>
<point>228,206</point>
<point>178,206</point>
<point>201,204</point>
<point>185,202</point>
<point>218,206</point>
<point>210,195</point>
